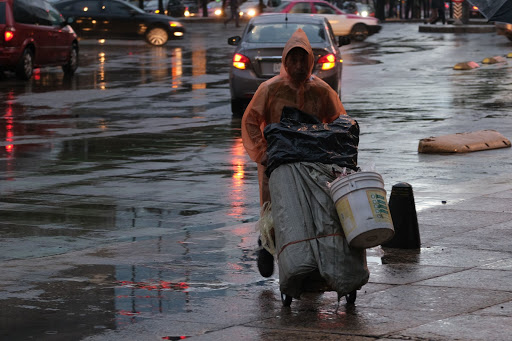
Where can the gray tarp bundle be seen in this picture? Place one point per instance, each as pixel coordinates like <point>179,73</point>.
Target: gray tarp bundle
<point>305,154</point>
<point>312,251</point>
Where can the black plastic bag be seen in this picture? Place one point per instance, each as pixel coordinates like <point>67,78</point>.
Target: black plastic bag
<point>301,137</point>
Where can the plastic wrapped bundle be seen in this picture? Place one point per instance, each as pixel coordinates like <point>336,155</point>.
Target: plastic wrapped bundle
<point>301,137</point>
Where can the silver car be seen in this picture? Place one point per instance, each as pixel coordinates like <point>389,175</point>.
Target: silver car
<point>257,56</point>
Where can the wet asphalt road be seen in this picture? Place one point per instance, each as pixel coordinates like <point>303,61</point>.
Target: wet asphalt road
<point>140,146</point>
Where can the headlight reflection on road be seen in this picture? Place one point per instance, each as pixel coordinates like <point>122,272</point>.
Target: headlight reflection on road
<point>177,67</point>
<point>159,67</point>
<point>198,67</point>
<point>101,75</point>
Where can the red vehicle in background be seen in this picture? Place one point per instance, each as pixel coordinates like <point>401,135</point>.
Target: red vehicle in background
<point>34,34</point>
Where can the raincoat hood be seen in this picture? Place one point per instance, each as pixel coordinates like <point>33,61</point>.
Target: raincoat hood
<point>298,39</point>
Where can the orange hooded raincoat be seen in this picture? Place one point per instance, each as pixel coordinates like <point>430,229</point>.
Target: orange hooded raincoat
<point>314,96</point>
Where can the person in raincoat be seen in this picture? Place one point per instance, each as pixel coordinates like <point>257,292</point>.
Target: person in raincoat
<point>295,86</point>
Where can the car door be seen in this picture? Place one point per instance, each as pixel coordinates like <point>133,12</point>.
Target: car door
<point>31,17</point>
<point>121,21</point>
<point>61,38</point>
<point>339,22</point>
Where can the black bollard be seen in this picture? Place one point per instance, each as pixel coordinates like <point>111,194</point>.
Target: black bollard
<point>405,221</point>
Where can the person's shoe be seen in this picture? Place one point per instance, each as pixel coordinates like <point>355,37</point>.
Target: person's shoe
<point>265,261</point>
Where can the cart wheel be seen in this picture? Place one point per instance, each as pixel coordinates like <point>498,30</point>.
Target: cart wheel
<point>287,300</point>
<point>351,298</point>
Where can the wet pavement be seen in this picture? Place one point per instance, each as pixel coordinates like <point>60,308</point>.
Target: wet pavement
<point>128,204</point>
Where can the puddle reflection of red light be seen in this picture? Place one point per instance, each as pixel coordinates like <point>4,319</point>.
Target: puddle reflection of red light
<point>128,313</point>
<point>243,231</point>
<point>9,125</point>
<point>234,266</point>
<point>37,74</point>
<point>158,285</point>
<point>238,165</point>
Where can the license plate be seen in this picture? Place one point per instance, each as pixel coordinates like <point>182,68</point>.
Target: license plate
<point>277,67</point>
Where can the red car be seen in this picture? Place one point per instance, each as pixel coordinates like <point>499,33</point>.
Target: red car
<point>343,24</point>
<point>34,34</point>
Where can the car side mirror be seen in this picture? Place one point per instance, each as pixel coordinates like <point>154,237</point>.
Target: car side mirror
<point>343,41</point>
<point>234,40</point>
<point>69,20</point>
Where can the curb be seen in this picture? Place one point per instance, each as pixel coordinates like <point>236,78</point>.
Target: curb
<point>463,142</point>
<point>458,28</point>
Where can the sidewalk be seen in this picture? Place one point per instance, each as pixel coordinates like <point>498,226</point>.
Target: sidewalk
<point>473,26</point>
<point>458,286</point>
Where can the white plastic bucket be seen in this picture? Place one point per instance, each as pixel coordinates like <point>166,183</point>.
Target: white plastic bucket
<point>360,200</point>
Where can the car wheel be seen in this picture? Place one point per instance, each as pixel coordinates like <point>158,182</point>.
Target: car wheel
<point>359,32</point>
<point>25,66</point>
<point>238,107</point>
<point>70,67</point>
<point>157,36</point>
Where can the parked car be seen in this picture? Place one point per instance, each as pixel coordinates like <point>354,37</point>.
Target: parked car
<point>118,19</point>
<point>343,24</point>
<point>504,29</point>
<point>257,56</point>
<point>34,34</point>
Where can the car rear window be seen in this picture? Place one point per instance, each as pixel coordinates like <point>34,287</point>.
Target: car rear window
<point>280,33</point>
<point>2,12</point>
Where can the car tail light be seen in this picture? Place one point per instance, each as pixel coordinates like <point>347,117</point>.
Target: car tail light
<point>328,61</point>
<point>9,33</point>
<point>240,61</point>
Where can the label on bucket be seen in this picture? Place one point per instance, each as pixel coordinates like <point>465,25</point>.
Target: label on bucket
<point>346,217</point>
<point>379,206</point>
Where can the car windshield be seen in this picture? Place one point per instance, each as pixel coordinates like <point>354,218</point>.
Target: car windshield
<point>133,7</point>
<point>2,12</point>
<point>280,33</point>
<point>279,8</point>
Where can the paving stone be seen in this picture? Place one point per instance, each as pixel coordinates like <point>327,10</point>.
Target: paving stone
<point>475,279</point>
<point>407,273</point>
<point>467,328</point>
<point>447,256</point>
<point>269,334</point>
<point>446,301</point>
<point>489,238</point>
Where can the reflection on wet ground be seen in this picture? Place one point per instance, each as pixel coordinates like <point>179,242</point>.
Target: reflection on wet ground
<point>122,189</point>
